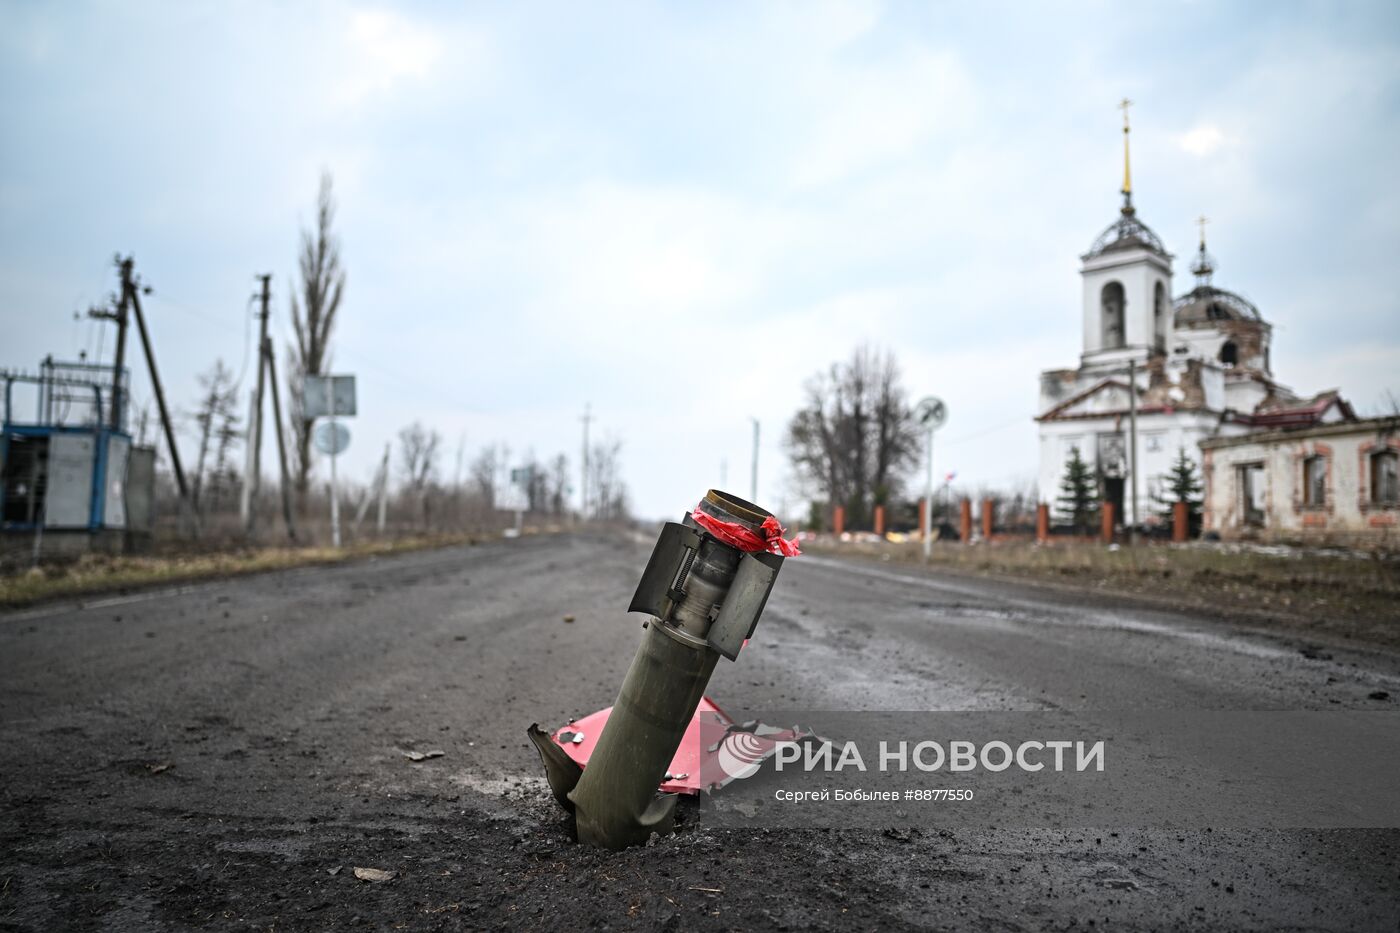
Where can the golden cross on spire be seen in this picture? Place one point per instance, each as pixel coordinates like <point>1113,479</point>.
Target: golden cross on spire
<point>1127,171</point>
<point>1201,222</point>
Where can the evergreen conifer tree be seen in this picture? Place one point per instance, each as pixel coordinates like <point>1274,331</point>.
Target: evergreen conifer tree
<point>1078,501</point>
<point>1182,484</point>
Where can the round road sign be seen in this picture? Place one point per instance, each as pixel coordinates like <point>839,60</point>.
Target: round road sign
<point>931,413</point>
<point>331,437</point>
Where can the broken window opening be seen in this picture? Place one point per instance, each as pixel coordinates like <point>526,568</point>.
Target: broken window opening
<point>1385,478</point>
<point>1251,485</point>
<point>1315,481</point>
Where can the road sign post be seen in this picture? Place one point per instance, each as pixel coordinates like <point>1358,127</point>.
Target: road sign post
<point>328,396</point>
<point>520,481</point>
<point>930,413</point>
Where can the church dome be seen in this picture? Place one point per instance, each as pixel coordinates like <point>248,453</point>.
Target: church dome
<point>1126,232</point>
<point>1206,303</point>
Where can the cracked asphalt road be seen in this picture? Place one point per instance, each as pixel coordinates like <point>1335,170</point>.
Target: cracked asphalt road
<point>224,756</point>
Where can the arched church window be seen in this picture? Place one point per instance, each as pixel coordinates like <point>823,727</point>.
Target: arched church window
<point>1112,301</point>
<point>1159,309</point>
<point>1229,353</point>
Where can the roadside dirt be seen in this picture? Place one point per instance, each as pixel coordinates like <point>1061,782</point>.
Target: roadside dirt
<point>1353,600</point>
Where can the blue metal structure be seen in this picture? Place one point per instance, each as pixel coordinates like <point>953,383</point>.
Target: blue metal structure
<point>70,436</point>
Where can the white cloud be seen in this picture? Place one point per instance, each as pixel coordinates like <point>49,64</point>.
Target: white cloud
<point>835,23</point>
<point>876,113</point>
<point>1202,140</point>
<point>384,49</point>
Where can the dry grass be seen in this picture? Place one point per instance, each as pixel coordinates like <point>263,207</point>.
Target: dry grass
<point>94,573</point>
<point>1348,594</point>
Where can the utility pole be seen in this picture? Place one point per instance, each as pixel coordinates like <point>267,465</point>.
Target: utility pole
<point>266,354</point>
<point>250,462</point>
<point>381,478</point>
<point>383,489</point>
<point>252,483</point>
<point>120,315</point>
<point>753,478</point>
<point>587,417</point>
<point>120,362</point>
<point>131,289</point>
<point>267,374</point>
<point>1132,447</point>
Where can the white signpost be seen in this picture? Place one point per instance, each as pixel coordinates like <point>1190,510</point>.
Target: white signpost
<point>518,497</point>
<point>930,413</point>
<point>328,397</point>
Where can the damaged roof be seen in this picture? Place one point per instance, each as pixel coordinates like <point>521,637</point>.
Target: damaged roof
<point>1206,303</point>
<point>1126,232</point>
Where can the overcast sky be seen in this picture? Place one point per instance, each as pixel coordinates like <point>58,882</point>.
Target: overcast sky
<point>679,212</point>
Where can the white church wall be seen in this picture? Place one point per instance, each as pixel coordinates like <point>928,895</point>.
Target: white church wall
<point>1160,436</point>
<point>1201,344</point>
<point>1213,387</point>
<point>1244,394</point>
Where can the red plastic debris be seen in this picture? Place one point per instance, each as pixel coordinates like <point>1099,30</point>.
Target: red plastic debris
<point>736,535</point>
<point>713,752</point>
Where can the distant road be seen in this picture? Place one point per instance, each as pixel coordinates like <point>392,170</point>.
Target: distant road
<point>226,755</point>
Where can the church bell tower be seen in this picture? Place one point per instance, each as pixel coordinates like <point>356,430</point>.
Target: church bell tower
<point>1127,277</point>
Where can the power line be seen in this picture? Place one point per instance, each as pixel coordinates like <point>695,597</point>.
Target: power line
<point>976,434</point>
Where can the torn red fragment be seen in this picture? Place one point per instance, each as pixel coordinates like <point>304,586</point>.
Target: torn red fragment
<point>714,751</point>
<point>737,535</point>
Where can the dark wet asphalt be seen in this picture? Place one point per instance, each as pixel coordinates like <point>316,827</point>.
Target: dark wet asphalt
<point>285,702</point>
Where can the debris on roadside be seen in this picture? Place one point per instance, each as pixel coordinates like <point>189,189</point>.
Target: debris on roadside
<point>569,617</point>
<point>714,750</point>
<point>375,875</point>
<point>424,756</point>
<point>156,767</point>
<point>704,587</point>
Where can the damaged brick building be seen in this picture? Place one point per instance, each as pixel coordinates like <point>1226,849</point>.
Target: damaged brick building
<point>1327,484</point>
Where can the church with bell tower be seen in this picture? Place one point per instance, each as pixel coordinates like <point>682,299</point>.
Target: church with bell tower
<point>1172,371</point>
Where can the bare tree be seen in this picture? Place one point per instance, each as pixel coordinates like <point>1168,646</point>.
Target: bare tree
<point>536,484</point>
<point>313,319</point>
<point>558,485</point>
<point>418,450</point>
<point>608,491</point>
<point>225,474</point>
<point>855,436</point>
<point>484,470</point>
<point>216,412</point>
